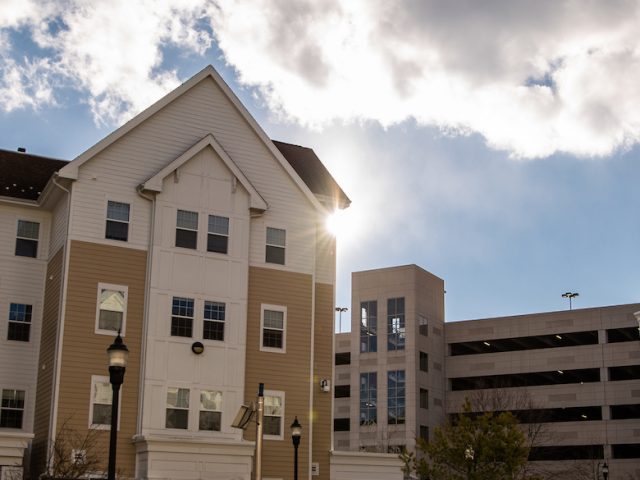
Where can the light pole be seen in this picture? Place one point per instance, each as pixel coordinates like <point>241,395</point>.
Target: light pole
<point>570,295</point>
<point>605,471</point>
<point>340,310</point>
<point>469,454</point>
<point>118,354</point>
<point>296,432</point>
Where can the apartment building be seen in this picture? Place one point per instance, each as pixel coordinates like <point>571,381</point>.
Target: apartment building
<point>573,376</point>
<point>203,242</point>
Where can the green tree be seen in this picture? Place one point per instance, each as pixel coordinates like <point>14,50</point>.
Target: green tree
<point>488,446</point>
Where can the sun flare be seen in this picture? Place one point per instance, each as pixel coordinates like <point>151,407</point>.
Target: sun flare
<point>337,223</point>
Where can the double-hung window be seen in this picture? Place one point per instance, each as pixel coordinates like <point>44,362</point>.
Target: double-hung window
<point>213,324</point>
<point>27,239</point>
<point>19,322</point>
<point>117,227</point>
<point>12,408</point>
<point>368,326</point>
<point>368,398</point>
<point>210,410</point>
<point>395,324</point>
<point>177,414</point>
<point>273,328</point>
<point>273,414</point>
<point>276,242</point>
<point>112,308</point>
<point>395,397</point>
<point>187,229</point>
<point>101,398</point>
<point>182,317</point>
<point>218,234</point>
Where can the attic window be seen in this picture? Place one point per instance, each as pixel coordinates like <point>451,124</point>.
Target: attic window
<point>117,221</point>
<point>187,229</point>
<point>27,239</point>
<point>276,240</point>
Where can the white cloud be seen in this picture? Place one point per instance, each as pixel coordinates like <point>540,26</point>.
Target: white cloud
<point>111,50</point>
<point>462,66</point>
<point>534,78</point>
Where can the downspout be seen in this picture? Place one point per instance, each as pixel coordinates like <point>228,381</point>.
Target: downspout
<point>145,321</point>
<point>62,300</point>
<point>312,352</point>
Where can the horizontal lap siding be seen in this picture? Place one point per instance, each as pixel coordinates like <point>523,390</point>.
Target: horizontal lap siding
<point>166,135</point>
<point>84,352</point>
<point>44,389</point>
<point>323,355</point>
<point>288,372</point>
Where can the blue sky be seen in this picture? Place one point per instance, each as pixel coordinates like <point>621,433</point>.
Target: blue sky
<point>495,145</point>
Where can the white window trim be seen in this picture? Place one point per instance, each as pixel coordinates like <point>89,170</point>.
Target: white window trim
<point>198,228</point>
<point>277,308</point>
<point>37,240</point>
<point>24,407</point>
<point>32,303</point>
<point>200,409</point>
<point>267,244</point>
<point>129,223</point>
<point>111,286</point>
<point>277,393</point>
<point>189,409</point>
<point>100,379</point>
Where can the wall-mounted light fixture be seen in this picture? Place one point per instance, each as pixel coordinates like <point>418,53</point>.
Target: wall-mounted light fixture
<point>197,348</point>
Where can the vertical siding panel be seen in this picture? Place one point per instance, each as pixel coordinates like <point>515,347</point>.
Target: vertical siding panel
<point>322,365</point>
<point>46,364</point>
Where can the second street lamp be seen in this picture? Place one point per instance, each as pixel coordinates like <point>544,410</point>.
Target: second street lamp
<point>296,432</point>
<point>118,355</point>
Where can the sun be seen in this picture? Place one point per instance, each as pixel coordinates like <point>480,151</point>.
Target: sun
<point>337,223</point>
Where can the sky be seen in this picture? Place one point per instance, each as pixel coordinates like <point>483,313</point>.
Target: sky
<point>492,143</point>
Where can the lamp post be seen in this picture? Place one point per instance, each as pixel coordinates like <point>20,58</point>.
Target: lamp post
<point>469,454</point>
<point>296,432</point>
<point>570,296</point>
<point>118,354</point>
<point>605,471</point>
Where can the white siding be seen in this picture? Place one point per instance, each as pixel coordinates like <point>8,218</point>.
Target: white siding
<point>116,171</point>
<point>22,280</point>
<point>59,218</point>
<point>204,185</point>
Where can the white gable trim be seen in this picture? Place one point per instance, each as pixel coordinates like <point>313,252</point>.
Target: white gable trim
<point>71,169</point>
<point>154,184</point>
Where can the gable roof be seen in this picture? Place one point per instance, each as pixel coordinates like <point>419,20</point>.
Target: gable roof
<point>24,175</point>
<point>313,172</point>
<point>154,184</point>
<point>71,170</point>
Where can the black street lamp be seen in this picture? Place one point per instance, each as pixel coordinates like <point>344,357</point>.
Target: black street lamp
<point>118,354</point>
<point>605,471</point>
<point>469,455</point>
<point>296,432</point>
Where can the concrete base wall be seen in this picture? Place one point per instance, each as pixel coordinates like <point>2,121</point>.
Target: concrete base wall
<point>365,466</point>
<point>174,458</point>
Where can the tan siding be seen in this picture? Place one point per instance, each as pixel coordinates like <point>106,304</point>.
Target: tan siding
<point>323,356</point>
<point>288,372</point>
<point>84,352</point>
<point>44,389</point>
